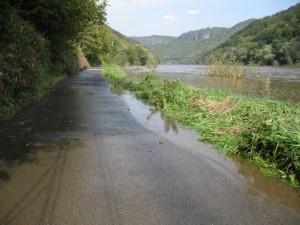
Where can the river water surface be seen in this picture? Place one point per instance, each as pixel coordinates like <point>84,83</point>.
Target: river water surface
<point>284,81</point>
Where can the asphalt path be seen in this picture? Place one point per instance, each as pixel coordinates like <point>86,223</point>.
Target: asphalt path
<point>78,156</point>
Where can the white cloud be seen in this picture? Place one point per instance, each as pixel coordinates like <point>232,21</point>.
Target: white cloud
<point>135,3</point>
<point>193,12</point>
<point>169,17</point>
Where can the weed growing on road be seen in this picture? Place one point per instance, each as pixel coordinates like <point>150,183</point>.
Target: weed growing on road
<point>264,131</point>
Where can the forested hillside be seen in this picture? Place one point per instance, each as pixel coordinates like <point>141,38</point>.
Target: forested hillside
<point>100,43</point>
<point>42,39</point>
<point>273,40</point>
<point>189,47</point>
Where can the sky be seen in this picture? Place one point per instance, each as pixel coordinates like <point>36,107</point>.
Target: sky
<point>174,17</point>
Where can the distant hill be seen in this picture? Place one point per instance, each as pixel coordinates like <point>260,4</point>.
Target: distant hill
<point>273,40</point>
<point>189,47</point>
<point>155,40</point>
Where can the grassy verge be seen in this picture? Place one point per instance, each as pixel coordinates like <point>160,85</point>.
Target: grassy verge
<point>9,106</point>
<point>263,131</point>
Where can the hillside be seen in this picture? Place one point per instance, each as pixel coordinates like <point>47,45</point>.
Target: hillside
<point>189,47</point>
<point>273,40</point>
<point>101,43</point>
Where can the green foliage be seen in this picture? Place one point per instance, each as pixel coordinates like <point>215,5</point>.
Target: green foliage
<point>172,50</point>
<point>141,54</point>
<point>69,60</point>
<point>43,37</point>
<point>184,52</point>
<point>61,23</point>
<point>261,130</point>
<point>61,20</point>
<point>272,40</point>
<point>102,44</point>
<point>44,84</point>
<point>29,56</point>
<point>23,56</point>
<point>24,63</point>
<point>113,73</point>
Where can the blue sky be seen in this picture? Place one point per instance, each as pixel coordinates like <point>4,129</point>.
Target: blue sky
<point>174,17</point>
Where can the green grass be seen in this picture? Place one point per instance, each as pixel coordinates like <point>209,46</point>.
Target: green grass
<point>260,130</point>
<point>10,106</point>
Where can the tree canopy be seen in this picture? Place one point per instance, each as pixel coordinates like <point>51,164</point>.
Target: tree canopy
<point>273,40</point>
<point>60,19</point>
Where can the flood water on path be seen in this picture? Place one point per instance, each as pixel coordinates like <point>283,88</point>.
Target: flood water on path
<point>284,81</point>
<point>267,189</point>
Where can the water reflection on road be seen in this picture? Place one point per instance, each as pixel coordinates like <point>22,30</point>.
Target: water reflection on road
<point>284,81</point>
<point>247,176</point>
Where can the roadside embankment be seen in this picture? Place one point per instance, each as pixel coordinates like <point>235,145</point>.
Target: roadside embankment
<point>261,130</point>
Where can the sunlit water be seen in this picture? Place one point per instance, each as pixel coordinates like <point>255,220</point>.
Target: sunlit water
<point>284,81</point>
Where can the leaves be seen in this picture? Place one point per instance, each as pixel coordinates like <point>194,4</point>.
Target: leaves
<point>269,41</point>
<point>61,20</point>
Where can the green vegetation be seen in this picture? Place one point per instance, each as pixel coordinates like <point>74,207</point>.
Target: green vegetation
<point>44,40</point>
<point>45,83</point>
<point>225,68</point>
<point>258,129</point>
<point>189,47</point>
<point>188,52</point>
<point>102,44</point>
<point>229,68</point>
<point>36,51</point>
<point>273,40</point>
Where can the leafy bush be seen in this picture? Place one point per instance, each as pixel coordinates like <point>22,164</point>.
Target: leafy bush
<point>24,56</point>
<point>29,59</point>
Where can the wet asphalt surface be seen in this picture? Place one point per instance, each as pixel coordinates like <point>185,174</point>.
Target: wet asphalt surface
<point>78,156</point>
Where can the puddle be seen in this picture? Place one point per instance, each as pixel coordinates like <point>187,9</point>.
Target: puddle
<point>73,91</point>
<point>265,188</point>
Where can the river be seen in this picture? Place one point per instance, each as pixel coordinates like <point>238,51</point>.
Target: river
<point>284,81</point>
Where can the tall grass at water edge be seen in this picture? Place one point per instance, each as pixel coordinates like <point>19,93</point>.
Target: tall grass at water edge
<point>231,69</point>
<point>261,130</point>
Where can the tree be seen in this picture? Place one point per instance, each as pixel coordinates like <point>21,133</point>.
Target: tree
<point>268,39</point>
<point>295,50</point>
<point>284,53</point>
<point>121,58</point>
<point>61,20</point>
<point>142,54</point>
<point>132,56</point>
<point>265,56</point>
